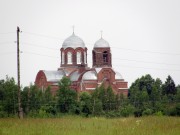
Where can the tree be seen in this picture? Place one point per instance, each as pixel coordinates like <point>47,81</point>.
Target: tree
<point>110,99</point>
<point>8,96</point>
<point>97,105</point>
<point>145,94</point>
<point>66,96</point>
<point>169,86</point>
<point>85,102</point>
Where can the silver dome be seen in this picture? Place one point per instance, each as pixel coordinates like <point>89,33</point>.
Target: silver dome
<point>73,41</point>
<point>54,76</point>
<point>101,43</point>
<point>118,76</point>
<point>89,75</point>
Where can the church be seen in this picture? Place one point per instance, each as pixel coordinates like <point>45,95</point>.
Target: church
<point>73,64</point>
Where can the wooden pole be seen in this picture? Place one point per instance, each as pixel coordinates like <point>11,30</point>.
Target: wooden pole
<point>20,112</point>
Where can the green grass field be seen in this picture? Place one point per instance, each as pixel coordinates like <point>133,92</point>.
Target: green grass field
<point>72,125</point>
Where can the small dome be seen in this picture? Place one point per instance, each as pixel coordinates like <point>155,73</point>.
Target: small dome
<point>101,43</point>
<point>73,41</point>
<point>89,75</point>
<point>118,76</point>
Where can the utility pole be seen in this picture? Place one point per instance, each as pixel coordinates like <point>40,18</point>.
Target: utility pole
<point>20,111</point>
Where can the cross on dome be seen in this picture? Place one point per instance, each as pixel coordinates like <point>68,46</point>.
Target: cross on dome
<point>101,33</point>
<point>73,28</point>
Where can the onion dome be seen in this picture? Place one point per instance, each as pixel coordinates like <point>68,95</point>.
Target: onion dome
<point>89,75</point>
<point>101,43</point>
<point>73,41</point>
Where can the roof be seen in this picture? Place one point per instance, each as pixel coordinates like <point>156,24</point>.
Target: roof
<point>89,75</point>
<point>54,76</point>
<point>73,41</point>
<point>118,76</point>
<point>101,43</point>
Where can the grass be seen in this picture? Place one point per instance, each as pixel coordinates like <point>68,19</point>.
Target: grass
<point>72,125</point>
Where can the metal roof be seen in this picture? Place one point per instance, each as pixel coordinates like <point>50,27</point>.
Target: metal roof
<point>89,75</point>
<point>54,76</point>
<point>101,43</point>
<point>118,76</point>
<point>73,41</point>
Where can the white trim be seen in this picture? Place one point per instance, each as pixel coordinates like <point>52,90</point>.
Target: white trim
<point>122,88</point>
<point>90,88</point>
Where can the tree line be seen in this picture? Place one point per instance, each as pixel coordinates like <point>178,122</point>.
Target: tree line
<point>147,96</point>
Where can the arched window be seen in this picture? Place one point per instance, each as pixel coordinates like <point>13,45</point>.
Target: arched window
<point>79,58</point>
<point>69,58</point>
<point>62,59</point>
<point>105,56</point>
<point>85,60</point>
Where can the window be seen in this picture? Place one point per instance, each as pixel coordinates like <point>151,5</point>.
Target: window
<point>79,58</point>
<point>94,57</point>
<point>69,58</point>
<point>85,60</point>
<point>62,59</point>
<point>105,56</point>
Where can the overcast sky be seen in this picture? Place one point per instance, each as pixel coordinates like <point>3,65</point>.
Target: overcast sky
<point>144,35</point>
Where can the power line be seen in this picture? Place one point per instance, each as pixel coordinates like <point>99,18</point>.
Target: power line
<point>143,61</point>
<point>113,64</point>
<point>5,43</point>
<point>146,51</point>
<point>42,35</point>
<point>146,68</point>
<point>4,33</point>
<point>128,49</point>
<point>40,54</point>
<point>146,62</point>
<point>113,58</point>
<point>36,45</point>
<point>7,53</point>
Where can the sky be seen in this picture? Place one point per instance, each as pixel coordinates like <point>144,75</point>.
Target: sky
<point>144,35</point>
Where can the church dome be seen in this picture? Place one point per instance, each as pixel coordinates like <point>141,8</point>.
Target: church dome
<point>89,75</point>
<point>74,42</point>
<point>101,43</point>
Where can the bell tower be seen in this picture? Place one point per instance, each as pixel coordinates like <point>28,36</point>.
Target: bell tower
<point>101,54</point>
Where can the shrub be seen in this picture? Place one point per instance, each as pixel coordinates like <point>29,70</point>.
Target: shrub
<point>138,113</point>
<point>127,110</point>
<point>159,113</point>
<point>147,112</point>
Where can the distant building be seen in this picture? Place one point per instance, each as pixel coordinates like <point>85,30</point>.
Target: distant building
<point>74,66</point>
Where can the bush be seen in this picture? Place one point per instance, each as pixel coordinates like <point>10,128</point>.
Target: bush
<point>127,110</point>
<point>3,114</point>
<point>138,113</point>
<point>147,112</point>
<point>178,109</point>
<point>159,113</point>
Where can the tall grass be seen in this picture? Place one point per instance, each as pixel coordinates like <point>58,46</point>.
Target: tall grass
<point>72,125</point>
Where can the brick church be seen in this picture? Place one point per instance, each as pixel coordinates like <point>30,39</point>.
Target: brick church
<point>73,64</point>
